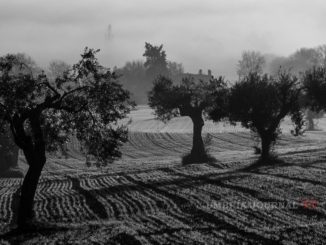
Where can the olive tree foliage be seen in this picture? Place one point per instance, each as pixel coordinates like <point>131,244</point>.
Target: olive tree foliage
<point>88,101</point>
<point>8,149</point>
<point>306,59</point>
<point>300,61</point>
<point>191,98</point>
<point>251,62</point>
<point>314,81</point>
<point>260,102</point>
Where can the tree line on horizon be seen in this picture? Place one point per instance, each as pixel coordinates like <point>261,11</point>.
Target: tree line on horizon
<point>42,109</point>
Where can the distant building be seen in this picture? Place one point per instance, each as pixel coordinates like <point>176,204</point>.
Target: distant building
<point>197,77</point>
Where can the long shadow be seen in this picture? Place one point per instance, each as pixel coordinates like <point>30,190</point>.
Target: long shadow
<point>185,205</point>
<point>314,182</point>
<point>185,181</point>
<point>91,201</point>
<point>257,195</point>
<point>189,180</point>
<point>19,235</point>
<point>200,215</point>
<point>303,151</point>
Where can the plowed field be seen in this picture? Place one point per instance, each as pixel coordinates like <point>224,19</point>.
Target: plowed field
<point>148,197</point>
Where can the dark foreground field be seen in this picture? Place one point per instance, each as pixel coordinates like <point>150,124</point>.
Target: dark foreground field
<point>148,197</point>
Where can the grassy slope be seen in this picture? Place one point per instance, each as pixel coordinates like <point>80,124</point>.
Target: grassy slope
<point>148,196</point>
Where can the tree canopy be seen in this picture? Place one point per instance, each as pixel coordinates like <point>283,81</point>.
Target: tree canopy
<point>260,102</point>
<point>88,102</point>
<point>298,63</point>
<point>191,98</point>
<point>314,81</point>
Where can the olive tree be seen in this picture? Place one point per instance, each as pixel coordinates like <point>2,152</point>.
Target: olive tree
<point>190,98</point>
<point>314,81</point>
<point>86,102</point>
<point>260,103</point>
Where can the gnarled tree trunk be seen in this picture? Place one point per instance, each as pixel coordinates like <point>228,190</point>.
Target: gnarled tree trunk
<point>198,148</point>
<point>28,190</point>
<point>33,147</point>
<point>265,147</point>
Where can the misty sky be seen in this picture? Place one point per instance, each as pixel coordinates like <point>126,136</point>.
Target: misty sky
<point>198,33</point>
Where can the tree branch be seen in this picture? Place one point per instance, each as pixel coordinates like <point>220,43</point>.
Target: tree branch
<point>73,91</point>
<point>47,84</point>
<point>92,116</point>
<point>69,109</point>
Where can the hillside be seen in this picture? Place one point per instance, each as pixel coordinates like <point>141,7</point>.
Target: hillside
<point>150,198</point>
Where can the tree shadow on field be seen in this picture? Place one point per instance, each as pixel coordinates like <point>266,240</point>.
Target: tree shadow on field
<point>195,159</point>
<point>19,235</point>
<point>287,160</point>
<point>271,162</point>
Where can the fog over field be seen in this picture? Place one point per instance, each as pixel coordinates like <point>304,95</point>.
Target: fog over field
<point>200,34</point>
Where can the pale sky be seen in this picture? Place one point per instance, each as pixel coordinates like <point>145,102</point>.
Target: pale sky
<point>207,34</point>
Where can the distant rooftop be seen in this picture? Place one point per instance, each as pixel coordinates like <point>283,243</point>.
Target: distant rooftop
<point>199,76</point>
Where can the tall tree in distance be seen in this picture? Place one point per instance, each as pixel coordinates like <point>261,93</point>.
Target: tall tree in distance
<point>138,76</point>
<point>193,99</point>
<point>156,63</point>
<point>251,62</point>
<point>86,102</point>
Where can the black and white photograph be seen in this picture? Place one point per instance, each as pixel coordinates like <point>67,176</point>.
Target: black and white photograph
<point>138,122</point>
